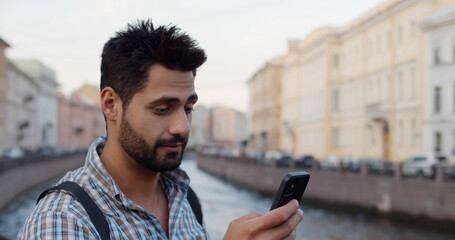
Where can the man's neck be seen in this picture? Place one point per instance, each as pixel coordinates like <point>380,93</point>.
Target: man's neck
<point>140,185</point>
<point>137,183</point>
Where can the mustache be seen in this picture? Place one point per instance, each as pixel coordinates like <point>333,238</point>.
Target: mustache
<point>173,140</point>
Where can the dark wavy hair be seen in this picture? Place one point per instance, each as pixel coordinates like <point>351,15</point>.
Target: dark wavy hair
<point>127,56</point>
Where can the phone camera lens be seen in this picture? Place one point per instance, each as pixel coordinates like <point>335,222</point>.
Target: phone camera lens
<point>290,188</point>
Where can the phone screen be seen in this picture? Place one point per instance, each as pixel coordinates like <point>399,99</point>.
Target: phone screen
<point>292,186</point>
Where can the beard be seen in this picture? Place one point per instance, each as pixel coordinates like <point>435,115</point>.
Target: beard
<point>147,155</point>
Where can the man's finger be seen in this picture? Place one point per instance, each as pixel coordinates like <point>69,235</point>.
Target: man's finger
<point>286,229</point>
<point>279,215</point>
<point>248,217</point>
<point>291,236</point>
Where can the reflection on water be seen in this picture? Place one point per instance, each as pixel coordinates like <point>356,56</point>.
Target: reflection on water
<point>223,202</point>
<point>13,217</point>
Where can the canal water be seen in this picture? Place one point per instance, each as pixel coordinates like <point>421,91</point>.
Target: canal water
<point>223,202</point>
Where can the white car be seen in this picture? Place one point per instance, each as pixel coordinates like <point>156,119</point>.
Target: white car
<point>13,152</point>
<point>331,162</point>
<point>270,156</point>
<point>422,165</point>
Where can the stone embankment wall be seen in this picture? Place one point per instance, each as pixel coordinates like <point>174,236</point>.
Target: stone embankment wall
<point>433,199</point>
<point>21,178</point>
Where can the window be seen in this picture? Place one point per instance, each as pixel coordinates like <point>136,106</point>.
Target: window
<point>379,89</point>
<point>356,54</point>
<point>412,31</point>
<point>335,60</point>
<point>399,35</point>
<point>399,133</point>
<point>369,92</point>
<point>412,83</point>
<point>336,101</point>
<point>400,86</point>
<point>438,142</point>
<point>390,90</point>
<point>389,40</point>
<point>437,100</point>
<point>378,44</point>
<point>412,132</point>
<point>436,56</point>
<point>370,47</point>
<point>336,137</point>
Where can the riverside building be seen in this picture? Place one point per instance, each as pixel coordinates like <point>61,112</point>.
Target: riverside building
<point>355,90</point>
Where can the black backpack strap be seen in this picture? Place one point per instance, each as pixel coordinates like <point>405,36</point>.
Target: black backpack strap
<point>195,205</point>
<point>95,214</point>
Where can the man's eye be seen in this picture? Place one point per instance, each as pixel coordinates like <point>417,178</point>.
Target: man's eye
<point>188,110</point>
<point>161,110</point>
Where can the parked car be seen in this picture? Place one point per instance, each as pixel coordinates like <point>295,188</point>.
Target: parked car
<point>229,153</point>
<point>374,165</point>
<point>13,152</point>
<point>451,173</point>
<point>305,161</point>
<point>255,155</point>
<point>270,156</point>
<point>45,151</point>
<point>331,162</point>
<point>284,161</point>
<point>422,165</point>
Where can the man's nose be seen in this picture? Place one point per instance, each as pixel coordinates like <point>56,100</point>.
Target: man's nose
<point>180,124</point>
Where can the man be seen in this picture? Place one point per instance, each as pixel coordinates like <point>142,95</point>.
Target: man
<point>133,174</point>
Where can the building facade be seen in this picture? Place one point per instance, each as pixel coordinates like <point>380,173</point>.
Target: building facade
<point>47,100</point>
<point>3,91</point>
<point>81,119</point>
<point>18,104</point>
<point>305,95</point>
<point>228,127</point>
<point>199,136</point>
<point>439,31</point>
<point>381,82</point>
<point>358,90</point>
<point>88,94</point>
<point>19,123</point>
<point>264,112</point>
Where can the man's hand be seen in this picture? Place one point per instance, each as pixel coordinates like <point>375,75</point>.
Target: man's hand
<point>279,223</point>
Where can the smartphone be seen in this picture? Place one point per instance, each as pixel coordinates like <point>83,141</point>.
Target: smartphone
<point>292,187</point>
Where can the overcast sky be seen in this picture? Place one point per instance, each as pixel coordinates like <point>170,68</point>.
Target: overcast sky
<point>239,36</point>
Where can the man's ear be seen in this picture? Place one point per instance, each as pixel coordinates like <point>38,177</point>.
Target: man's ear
<point>111,104</point>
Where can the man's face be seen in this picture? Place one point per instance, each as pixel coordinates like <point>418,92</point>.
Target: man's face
<point>156,124</point>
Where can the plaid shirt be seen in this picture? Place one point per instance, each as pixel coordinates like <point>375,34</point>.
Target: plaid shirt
<point>60,216</point>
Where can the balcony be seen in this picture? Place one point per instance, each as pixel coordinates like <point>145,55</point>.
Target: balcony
<point>376,111</point>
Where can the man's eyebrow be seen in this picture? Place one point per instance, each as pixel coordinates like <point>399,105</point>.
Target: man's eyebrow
<point>166,99</point>
<point>193,97</point>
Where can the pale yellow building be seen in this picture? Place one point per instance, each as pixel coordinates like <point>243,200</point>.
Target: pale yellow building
<point>380,87</point>
<point>264,102</point>
<point>304,117</point>
<point>358,90</point>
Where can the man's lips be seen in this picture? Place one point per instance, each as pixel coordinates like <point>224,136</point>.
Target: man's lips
<point>172,147</point>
